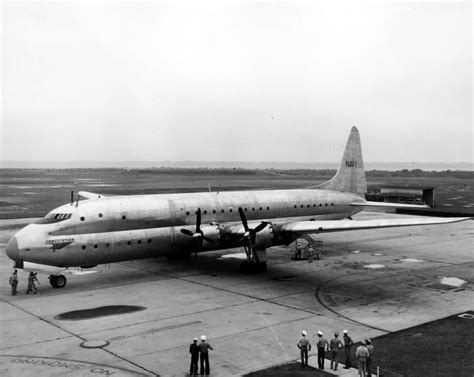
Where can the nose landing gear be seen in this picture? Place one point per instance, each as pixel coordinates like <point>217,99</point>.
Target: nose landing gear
<point>57,281</point>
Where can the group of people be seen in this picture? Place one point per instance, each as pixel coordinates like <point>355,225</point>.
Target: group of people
<point>31,287</point>
<point>310,253</point>
<point>200,352</point>
<point>364,352</point>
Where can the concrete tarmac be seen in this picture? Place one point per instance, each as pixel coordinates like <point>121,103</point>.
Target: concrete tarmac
<point>369,282</point>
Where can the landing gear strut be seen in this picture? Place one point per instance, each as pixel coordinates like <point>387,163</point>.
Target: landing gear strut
<point>57,281</point>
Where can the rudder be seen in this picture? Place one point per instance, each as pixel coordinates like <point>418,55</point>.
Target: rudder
<point>350,176</point>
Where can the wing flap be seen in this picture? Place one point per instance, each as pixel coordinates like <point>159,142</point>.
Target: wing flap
<point>301,227</point>
<point>388,205</point>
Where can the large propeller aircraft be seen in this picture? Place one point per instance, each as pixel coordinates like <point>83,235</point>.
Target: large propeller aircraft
<point>105,229</point>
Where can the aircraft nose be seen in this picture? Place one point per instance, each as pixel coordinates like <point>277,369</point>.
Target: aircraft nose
<point>12,249</point>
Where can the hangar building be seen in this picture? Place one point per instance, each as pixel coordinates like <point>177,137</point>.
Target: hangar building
<point>402,194</point>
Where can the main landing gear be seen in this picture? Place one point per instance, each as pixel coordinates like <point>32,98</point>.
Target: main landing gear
<point>57,281</point>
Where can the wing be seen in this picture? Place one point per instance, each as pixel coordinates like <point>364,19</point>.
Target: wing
<point>302,227</point>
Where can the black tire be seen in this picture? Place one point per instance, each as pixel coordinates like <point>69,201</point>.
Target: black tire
<point>57,281</point>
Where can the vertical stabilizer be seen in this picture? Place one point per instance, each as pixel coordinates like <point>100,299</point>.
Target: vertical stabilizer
<point>350,176</point>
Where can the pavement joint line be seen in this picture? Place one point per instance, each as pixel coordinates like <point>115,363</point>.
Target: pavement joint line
<point>255,298</point>
<point>233,334</point>
<point>152,331</point>
<point>176,316</point>
<point>33,343</point>
<point>79,337</point>
<point>341,315</point>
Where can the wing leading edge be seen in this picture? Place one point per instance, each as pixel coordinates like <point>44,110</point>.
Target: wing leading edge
<point>302,227</point>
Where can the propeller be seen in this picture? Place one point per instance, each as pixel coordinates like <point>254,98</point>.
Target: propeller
<point>250,234</point>
<point>198,234</point>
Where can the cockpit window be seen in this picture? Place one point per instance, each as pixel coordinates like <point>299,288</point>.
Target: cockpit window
<point>54,218</point>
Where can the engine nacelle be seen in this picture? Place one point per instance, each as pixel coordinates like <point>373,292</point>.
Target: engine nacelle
<point>213,234</point>
<point>264,238</point>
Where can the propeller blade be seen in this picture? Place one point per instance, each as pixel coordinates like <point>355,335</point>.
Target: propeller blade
<point>243,219</point>
<point>187,232</point>
<point>260,227</point>
<point>198,220</point>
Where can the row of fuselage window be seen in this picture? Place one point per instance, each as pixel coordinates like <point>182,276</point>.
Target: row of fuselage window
<point>107,244</point>
<point>262,209</point>
<point>230,210</point>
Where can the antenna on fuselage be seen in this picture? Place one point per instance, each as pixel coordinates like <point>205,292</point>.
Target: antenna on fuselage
<point>72,197</point>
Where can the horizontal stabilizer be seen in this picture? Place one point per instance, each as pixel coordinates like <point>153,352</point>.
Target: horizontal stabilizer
<point>300,227</point>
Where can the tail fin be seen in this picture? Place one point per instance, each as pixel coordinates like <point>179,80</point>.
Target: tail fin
<point>350,176</point>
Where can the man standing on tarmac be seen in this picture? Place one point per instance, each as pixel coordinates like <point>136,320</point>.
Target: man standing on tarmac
<point>194,351</point>
<point>304,345</point>
<point>14,282</point>
<point>371,350</point>
<point>347,348</point>
<point>204,348</point>
<point>322,345</point>
<point>362,354</point>
<point>335,346</point>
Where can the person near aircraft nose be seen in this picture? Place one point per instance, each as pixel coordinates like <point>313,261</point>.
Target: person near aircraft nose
<point>204,348</point>
<point>304,345</point>
<point>347,348</point>
<point>14,282</point>
<point>31,283</point>
<point>194,351</point>
<point>322,345</point>
<point>335,346</point>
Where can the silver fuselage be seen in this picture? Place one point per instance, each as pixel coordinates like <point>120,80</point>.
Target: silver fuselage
<point>120,228</point>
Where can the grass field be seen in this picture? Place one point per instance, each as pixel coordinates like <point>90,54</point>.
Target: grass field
<point>34,192</point>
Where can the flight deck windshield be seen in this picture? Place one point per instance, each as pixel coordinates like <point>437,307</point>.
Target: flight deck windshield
<point>54,218</point>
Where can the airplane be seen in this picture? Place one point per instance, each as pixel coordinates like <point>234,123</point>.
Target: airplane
<point>103,229</point>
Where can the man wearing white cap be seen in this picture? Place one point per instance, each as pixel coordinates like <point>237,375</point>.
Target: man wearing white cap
<point>204,348</point>
<point>322,345</point>
<point>194,351</point>
<point>304,345</point>
<point>347,348</point>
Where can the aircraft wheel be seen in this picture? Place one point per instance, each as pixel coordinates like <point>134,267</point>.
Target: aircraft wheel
<point>58,281</point>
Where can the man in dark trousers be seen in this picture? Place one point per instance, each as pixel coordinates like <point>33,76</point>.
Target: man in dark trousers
<point>304,345</point>
<point>347,348</point>
<point>204,348</point>
<point>370,348</point>
<point>31,283</point>
<point>14,282</point>
<point>322,345</point>
<point>194,351</point>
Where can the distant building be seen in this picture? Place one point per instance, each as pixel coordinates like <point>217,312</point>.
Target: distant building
<point>404,194</point>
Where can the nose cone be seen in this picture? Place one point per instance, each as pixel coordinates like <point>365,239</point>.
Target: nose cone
<point>12,250</point>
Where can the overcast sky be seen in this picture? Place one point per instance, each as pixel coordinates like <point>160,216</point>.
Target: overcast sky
<point>236,81</point>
